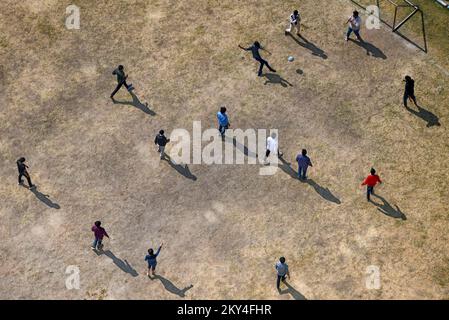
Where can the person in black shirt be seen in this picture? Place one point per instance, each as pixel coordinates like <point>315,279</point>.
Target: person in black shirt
<point>161,140</point>
<point>409,90</point>
<point>22,167</point>
<point>256,55</point>
<point>121,80</point>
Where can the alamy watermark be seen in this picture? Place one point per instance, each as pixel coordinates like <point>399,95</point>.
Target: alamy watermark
<point>373,20</point>
<point>73,280</point>
<point>72,21</point>
<point>372,280</point>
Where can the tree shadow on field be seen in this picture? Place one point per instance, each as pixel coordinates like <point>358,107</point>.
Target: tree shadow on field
<point>183,170</point>
<point>137,104</point>
<point>371,50</point>
<point>170,287</point>
<point>122,264</point>
<point>325,193</point>
<point>243,148</point>
<point>44,198</point>
<point>388,210</point>
<point>273,78</point>
<point>310,46</point>
<point>426,115</point>
<point>292,291</point>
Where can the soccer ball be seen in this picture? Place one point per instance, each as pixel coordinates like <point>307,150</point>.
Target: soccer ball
<point>290,58</point>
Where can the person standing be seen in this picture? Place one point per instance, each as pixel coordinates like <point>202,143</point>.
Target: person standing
<point>161,141</point>
<point>223,121</point>
<point>282,271</point>
<point>295,22</point>
<point>303,163</point>
<point>256,55</point>
<point>150,258</point>
<point>22,167</point>
<point>370,183</point>
<point>99,233</point>
<point>409,90</point>
<point>272,147</point>
<point>355,23</point>
<point>121,80</point>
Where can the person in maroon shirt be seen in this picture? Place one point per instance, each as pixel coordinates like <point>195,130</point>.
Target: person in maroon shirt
<point>99,233</point>
<point>370,182</point>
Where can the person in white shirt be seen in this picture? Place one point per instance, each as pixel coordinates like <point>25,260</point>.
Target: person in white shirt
<point>354,22</point>
<point>272,147</point>
<point>295,22</point>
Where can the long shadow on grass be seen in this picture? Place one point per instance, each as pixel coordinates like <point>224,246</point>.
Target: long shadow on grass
<point>426,115</point>
<point>292,291</point>
<point>273,78</point>
<point>371,50</point>
<point>310,46</point>
<point>170,287</point>
<point>325,193</point>
<point>137,104</point>
<point>183,170</point>
<point>122,264</point>
<point>45,198</point>
<point>387,209</point>
<point>242,148</point>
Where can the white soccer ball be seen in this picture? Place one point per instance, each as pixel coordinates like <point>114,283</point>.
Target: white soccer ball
<point>290,58</point>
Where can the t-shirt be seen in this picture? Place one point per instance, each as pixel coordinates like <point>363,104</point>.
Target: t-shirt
<point>355,23</point>
<point>282,268</point>
<point>303,161</point>
<point>161,140</point>
<point>410,87</point>
<point>99,232</point>
<point>295,18</point>
<point>272,144</point>
<point>151,259</point>
<point>120,75</point>
<point>21,167</point>
<point>371,180</point>
<point>222,119</point>
<point>255,51</point>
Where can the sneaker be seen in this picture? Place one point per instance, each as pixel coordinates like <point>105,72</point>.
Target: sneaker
<point>93,248</point>
<point>346,38</point>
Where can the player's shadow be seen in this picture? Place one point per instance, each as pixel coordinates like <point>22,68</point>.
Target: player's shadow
<point>292,291</point>
<point>310,46</point>
<point>122,264</point>
<point>137,104</point>
<point>325,193</point>
<point>386,208</point>
<point>243,148</point>
<point>426,115</point>
<point>273,78</point>
<point>44,198</point>
<point>181,169</point>
<point>371,50</point>
<point>170,287</point>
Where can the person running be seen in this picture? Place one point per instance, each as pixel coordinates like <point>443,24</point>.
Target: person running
<point>303,163</point>
<point>223,121</point>
<point>295,22</point>
<point>272,147</point>
<point>121,80</point>
<point>256,55</point>
<point>282,271</point>
<point>22,167</point>
<point>370,183</point>
<point>354,22</point>
<point>409,90</point>
<point>161,141</point>
<point>152,261</point>
<point>99,233</point>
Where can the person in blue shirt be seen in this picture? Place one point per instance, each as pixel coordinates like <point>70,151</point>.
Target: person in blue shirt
<point>256,55</point>
<point>151,259</point>
<point>303,163</point>
<point>223,121</point>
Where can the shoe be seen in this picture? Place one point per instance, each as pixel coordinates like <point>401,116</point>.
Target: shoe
<point>33,187</point>
<point>20,183</point>
<point>93,248</point>
<point>346,38</point>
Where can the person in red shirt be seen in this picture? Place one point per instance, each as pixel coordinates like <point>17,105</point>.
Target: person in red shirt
<point>370,182</point>
<point>99,233</point>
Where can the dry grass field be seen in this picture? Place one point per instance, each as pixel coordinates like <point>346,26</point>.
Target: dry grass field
<point>223,226</point>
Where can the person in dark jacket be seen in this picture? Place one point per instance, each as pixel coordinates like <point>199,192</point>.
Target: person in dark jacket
<point>151,259</point>
<point>161,141</point>
<point>121,80</point>
<point>99,233</point>
<point>256,55</point>
<point>409,90</point>
<point>22,167</point>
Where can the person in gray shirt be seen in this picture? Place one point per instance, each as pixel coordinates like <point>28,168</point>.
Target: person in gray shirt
<point>282,271</point>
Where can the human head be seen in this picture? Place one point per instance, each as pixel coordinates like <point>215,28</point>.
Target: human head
<point>257,44</point>
<point>120,67</point>
<point>150,252</point>
<point>355,14</point>
<point>282,259</point>
<point>295,12</point>
<point>161,132</point>
<point>273,135</point>
<point>223,109</point>
<point>22,159</point>
<point>97,223</point>
<point>304,152</point>
<point>373,172</point>
<point>408,78</point>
